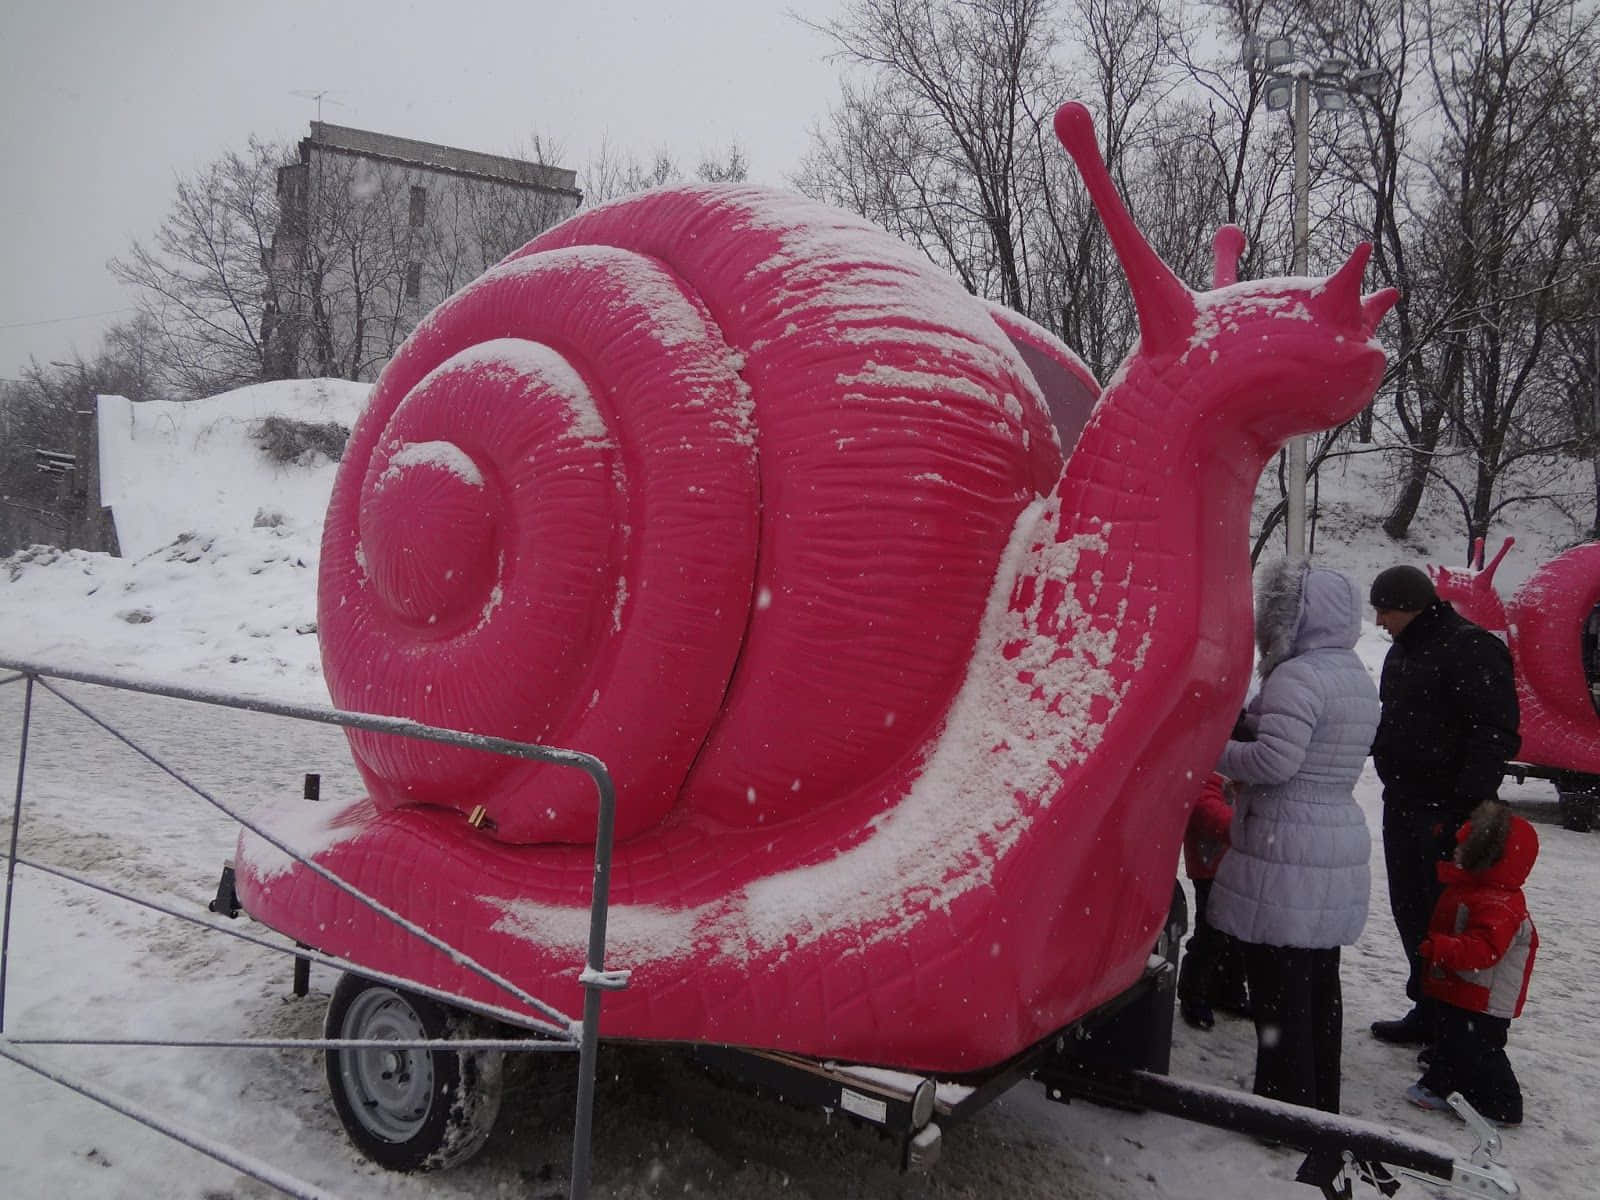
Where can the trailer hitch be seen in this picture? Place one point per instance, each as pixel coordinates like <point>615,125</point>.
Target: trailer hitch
<point>1482,1174</point>
<point>1341,1151</point>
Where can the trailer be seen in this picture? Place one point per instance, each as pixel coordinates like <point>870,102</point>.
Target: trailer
<point>412,1091</point>
<point>1577,792</point>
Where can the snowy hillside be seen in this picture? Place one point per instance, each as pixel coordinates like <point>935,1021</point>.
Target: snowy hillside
<point>219,591</point>
<point>169,468</point>
<point>195,498</point>
<point>1354,492</point>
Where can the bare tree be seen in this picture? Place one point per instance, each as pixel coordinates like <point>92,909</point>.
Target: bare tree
<point>473,226</point>
<point>1356,171</point>
<point>616,172</point>
<point>243,283</point>
<point>729,165</point>
<point>937,140</point>
<point>129,361</point>
<point>1494,238</point>
<point>39,411</point>
<point>1115,60</point>
<point>943,135</point>
<point>1372,163</point>
<point>202,281</point>
<point>1576,346</point>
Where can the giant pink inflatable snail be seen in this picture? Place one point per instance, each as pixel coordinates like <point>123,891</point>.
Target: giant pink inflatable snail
<point>1543,624</point>
<point>739,494</point>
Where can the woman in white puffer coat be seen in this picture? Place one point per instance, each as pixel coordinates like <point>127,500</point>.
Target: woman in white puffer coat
<point>1293,887</point>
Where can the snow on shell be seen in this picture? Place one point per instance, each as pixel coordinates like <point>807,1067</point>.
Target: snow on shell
<point>950,830</point>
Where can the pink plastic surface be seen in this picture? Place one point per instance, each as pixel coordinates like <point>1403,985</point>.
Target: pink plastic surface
<point>1543,625</point>
<point>738,493</point>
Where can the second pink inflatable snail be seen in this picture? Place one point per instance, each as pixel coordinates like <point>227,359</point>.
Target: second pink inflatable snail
<point>1551,626</point>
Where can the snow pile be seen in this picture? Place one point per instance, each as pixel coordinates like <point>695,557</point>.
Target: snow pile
<point>253,628</point>
<point>217,583</point>
<point>168,468</point>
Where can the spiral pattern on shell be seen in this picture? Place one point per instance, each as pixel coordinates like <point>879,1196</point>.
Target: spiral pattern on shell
<point>710,483</point>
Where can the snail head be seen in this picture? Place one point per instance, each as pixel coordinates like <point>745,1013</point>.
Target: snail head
<point>1270,358</point>
<point>1471,589</point>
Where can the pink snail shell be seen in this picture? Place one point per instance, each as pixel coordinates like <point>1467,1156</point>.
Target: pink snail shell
<point>706,496</point>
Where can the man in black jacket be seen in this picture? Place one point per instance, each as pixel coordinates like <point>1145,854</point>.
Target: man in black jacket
<point>1449,724</point>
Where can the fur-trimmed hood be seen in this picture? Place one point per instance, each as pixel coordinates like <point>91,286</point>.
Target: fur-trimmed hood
<point>1300,607</point>
<point>1496,847</point>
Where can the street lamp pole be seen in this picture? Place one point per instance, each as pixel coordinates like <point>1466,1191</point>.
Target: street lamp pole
<point>1296,465</point>
<point>1291,80</point>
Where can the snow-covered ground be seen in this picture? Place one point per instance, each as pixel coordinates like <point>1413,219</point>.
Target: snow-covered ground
<point>225,601</point>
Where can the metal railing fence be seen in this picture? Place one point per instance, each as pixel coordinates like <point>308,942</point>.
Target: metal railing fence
<point>558,1032</point>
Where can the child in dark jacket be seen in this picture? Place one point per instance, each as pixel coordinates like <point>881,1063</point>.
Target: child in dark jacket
<point>1212,974</point>
<point>1479,950</point>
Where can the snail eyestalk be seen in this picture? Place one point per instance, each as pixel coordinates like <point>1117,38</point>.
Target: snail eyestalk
<point>1494,564</point>
<point>1166,307</point>
<point>1339,299</point>
<point>1226,247</point>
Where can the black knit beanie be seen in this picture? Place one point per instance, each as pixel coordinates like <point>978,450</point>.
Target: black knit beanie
<point>1402,589</point>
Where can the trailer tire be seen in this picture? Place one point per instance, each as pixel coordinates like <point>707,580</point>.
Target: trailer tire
<point>409,1109</point>
<point>1577,801</point>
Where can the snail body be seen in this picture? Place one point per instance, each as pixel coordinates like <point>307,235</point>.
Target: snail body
<point>905,714</point>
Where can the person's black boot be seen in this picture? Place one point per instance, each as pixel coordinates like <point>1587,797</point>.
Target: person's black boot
<point>1199,1016</point>
<point>1233,999</point>
<point>1413,1029</point>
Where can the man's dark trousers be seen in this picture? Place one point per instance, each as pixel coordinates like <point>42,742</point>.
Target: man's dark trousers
<point>1415,841</point>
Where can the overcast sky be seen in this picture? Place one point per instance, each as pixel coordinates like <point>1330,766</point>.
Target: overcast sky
<point>103,102</point>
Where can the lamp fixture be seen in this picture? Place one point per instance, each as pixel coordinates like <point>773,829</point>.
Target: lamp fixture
<point>1369,81</point>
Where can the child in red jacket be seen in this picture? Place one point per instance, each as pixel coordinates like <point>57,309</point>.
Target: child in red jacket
<point>1213,970</point>
<point>1480,949</point>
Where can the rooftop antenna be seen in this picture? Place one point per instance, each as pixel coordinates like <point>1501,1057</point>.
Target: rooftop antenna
<point>318,95</point>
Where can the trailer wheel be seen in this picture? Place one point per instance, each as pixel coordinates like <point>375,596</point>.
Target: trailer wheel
<point>1578,801</point>
<point>409,1109</point>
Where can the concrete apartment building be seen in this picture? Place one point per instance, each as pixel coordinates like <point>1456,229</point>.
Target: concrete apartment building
<point>376,230</point>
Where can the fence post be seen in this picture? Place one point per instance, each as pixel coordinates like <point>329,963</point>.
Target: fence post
<point>11,862</point>
<point>594,984</point>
